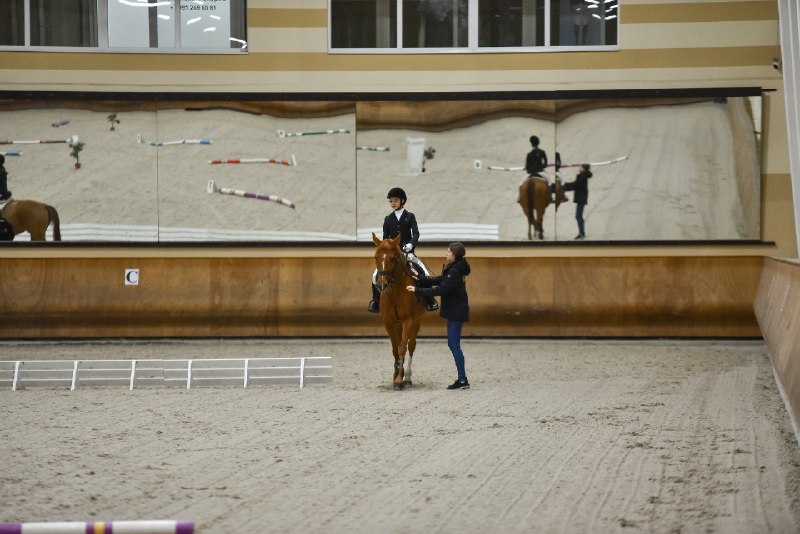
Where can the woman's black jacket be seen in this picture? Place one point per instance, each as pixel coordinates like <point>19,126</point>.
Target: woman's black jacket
<point>452,287</point>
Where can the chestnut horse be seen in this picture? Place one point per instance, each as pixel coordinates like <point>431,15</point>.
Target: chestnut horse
<point>401,309</point>
<point>32,217</point>
<point>534,197</point>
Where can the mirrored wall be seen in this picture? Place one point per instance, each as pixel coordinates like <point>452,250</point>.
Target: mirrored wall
<point>663,168</point>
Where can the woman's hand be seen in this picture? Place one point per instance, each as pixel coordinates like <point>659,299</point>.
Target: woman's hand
<point>411,288</point>
<point>414,272</point>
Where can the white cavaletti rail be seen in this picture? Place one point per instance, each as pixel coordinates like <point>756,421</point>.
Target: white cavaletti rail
<point>187,373</point>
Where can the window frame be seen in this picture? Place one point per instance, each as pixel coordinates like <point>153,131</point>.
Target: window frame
<point>103,37</point>
<point>473,37</point>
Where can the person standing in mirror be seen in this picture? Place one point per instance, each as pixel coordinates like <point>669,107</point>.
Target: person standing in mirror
<point>452,287</point>
<point>580,20</point>
<point>404,223</point>
<point>581,197</point>
<point>5,194</point>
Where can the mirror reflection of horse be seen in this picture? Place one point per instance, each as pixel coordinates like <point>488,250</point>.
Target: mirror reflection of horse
<point>534,197</point>
<point>32,217</point>
<point>401,309</point>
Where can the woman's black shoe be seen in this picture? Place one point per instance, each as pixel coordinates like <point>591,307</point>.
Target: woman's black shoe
<point>459,385</point>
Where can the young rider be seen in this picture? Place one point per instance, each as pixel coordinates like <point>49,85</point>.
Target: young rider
<point>400,222</point>
<point>536,163</point>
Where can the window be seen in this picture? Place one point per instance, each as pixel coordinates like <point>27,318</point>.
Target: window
<point>441,24</point>
<point>208,25</point>
<point>471,25</point>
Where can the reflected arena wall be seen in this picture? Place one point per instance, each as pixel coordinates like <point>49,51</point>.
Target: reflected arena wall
<point>327,296</point>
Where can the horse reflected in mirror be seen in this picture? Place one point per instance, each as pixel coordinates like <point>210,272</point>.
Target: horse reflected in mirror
<point>534,197</point>
<point>401,309</point>
<point>32,217</point>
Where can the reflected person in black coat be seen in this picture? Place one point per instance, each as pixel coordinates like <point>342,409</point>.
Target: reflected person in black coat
<point>581,197</point>
<point>452,287</point>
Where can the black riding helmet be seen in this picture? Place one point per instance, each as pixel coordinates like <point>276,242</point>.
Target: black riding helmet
<point>397,192</point>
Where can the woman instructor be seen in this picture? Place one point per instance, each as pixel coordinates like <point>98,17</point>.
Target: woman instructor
<point>452,287</point>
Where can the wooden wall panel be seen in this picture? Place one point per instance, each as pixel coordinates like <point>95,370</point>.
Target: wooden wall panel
<point>777,308</point>
<point>312,296</point>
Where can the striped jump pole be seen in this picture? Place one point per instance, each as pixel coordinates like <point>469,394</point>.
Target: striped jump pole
<point>284,133</point>
<point>291,162</point>
<point>59,123</point>
<point>71,140</point>
<point>181,142</point>
<point>374,148</point>
<point>212,188</point>
<point>17,153</point>
<point>100,527</point>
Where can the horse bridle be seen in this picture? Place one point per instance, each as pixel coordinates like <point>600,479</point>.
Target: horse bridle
<point>389,275</point>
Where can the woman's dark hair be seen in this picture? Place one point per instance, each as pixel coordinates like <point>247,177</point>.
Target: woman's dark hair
<point>458,250</point>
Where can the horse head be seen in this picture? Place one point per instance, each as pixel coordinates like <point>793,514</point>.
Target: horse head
<point>389,261</point>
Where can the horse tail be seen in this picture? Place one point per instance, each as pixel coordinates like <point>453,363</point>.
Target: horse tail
<point>51,211</point>
<point>531,196</point>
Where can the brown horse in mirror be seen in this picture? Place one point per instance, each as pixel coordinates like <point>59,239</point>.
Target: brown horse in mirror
<point>534,197</point>
<point>32,217</point>
<point>401,309</point>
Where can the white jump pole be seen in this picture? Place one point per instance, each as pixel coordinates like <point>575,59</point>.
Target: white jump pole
<point>291,162</point>
<point>181,142</point>
<point>212,188</point>
<point>73,139</point>
<point>563,165</point>
<point>374,148</point>
<point>100,527</point>
<point>284,133</point>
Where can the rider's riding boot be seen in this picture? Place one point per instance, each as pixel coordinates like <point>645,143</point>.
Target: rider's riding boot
<point>432,304</point>
<point>5,195</point>
<point>376,298</point>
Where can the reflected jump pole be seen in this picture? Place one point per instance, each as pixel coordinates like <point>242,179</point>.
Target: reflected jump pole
<point>212,188</point>
<point>284,133</point>
<point>160,144</point>
<point>100,527</point>
<point>17,153</point>
<point>478,164</point>
<point>374,148</point>
<point>72,140</point>
<point>291,162</point>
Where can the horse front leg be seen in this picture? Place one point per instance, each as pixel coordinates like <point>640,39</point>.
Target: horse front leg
<point>395,331</point>
<point>410,331</point>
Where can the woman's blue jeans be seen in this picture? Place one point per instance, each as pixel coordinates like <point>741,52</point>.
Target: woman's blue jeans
<point>579,217</point>
<point>454,343</point>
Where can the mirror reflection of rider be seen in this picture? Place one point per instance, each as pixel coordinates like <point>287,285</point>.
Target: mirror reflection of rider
<point>536,161</point>
<point>5,194</point>
<point>404,223</point>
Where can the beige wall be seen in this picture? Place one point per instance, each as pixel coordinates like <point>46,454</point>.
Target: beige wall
<point>663,44</point>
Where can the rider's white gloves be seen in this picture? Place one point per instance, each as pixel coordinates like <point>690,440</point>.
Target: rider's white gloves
<point>408,247</point>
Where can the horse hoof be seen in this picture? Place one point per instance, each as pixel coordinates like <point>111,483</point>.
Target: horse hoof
<point>397,386</point>
<point>407,383</point>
